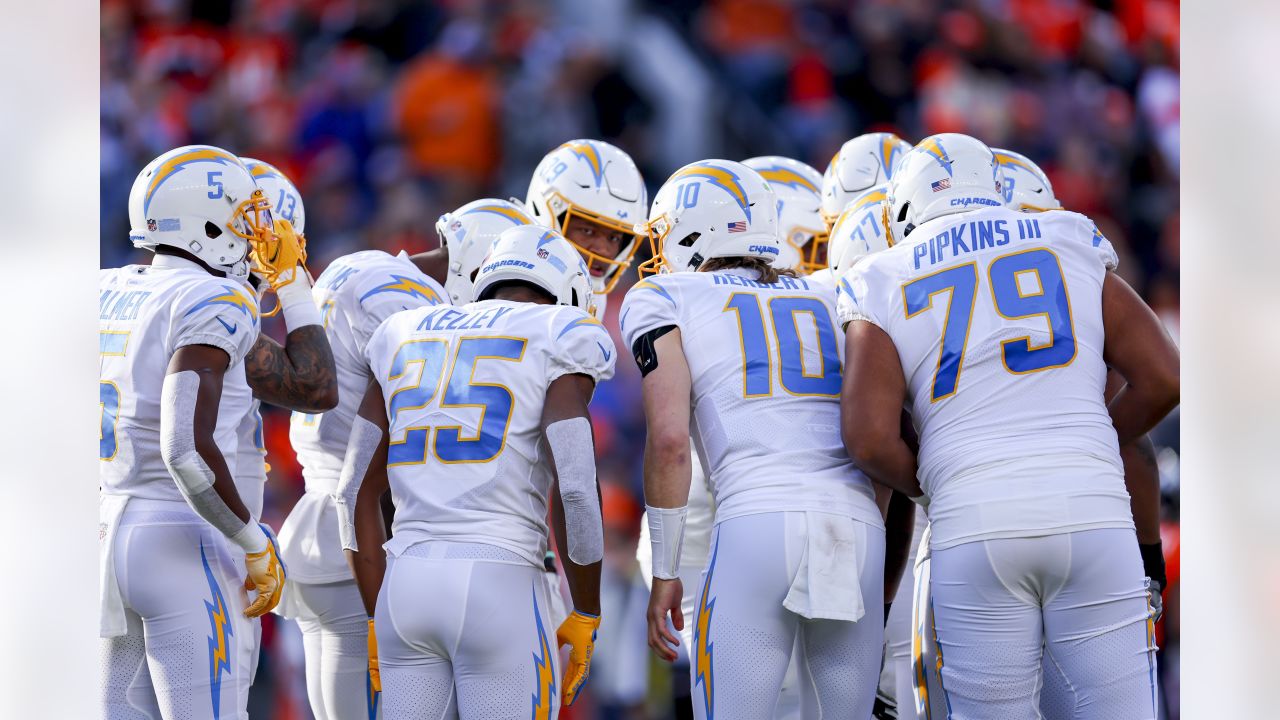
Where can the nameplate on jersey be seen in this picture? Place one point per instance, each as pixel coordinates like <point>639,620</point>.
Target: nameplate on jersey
<point>452,319</point>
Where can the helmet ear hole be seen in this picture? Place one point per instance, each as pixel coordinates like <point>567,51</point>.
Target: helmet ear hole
<point>689,240</point>
<point>573,297</point>
<point>211,231</point>
<point>902,214</point>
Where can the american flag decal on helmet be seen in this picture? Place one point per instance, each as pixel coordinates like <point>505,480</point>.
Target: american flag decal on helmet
<point>943,184</point>
<point>738,226</point>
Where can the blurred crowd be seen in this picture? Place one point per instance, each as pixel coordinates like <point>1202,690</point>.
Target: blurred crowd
<point>387,113</point>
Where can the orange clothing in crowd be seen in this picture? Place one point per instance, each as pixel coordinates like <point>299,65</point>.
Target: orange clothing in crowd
<point>447,111</point>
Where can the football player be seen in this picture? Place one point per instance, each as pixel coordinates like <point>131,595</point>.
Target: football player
<point>1005,380</point>
<point>464,404</point>
<point>178,537</point>
<point>1026,188</point>
<point>354,294</point>
<point>861,163</point>
<point>799,190</point>
<point>797,548</point>
<point>593,194</point>
<point>862,228</point>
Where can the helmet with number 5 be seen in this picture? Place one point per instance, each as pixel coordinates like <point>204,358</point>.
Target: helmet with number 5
<point>539,256</point>
<point>862,229</point>
<point>798,187</point>
<point>286,201</point>
<point>200,199</point>
<point>468,234</point>
<point>862,162</point>
<point>595,181</point>
<point>711,209</point>
<point>1025,186</point>
<point>946,173</point>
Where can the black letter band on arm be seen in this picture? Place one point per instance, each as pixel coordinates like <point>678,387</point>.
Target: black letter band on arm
<point>642,348</point>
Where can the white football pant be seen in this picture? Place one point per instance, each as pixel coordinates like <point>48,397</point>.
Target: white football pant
<point>744,637</point>
<point>188,652</point>
<point>465,631</point>
<point>1074,601</point>
<point>895,675</point>
<point>335,633</point>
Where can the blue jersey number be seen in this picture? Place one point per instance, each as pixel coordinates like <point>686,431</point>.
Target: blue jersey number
<point>109,397</point>
<point>111,343</point>
<point>495,402</point>
<point>758,359</point>
<point>1044,294</point>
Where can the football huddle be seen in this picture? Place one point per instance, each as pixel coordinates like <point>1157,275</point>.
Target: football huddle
<point>895,466</point>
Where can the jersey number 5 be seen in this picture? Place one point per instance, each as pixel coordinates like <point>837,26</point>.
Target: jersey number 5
<point>494,401</point>
<point>110,344</point>
<point>1047,298</point>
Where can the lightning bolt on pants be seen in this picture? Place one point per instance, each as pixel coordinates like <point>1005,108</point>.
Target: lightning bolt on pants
<point>188,649</point>
<point>744,638</point>
<point>464,631</point>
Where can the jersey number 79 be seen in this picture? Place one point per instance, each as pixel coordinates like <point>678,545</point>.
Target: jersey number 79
<point>1051,301</point>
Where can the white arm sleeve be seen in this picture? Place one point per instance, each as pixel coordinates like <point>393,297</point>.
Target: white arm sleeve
<point>666,534</point>
<point>189,470</point>
<point>297,304</point>
<point>361,446</point>
<point>575,460</point>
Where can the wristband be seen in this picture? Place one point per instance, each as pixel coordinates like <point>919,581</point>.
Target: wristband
<point>296,303</point>
<point>1153,562</point>
<point>666,536</point>
<point>251,538</point>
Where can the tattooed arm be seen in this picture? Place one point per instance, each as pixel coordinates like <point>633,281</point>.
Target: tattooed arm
<point>300,375</point>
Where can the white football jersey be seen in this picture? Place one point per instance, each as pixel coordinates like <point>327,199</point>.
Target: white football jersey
<point>355,294</point>
<point>464,390</point>
<point>765,363</point>
<point>250,467</point>
<point>145,314</point>
<point>823,277</point>
<point>997,319</point>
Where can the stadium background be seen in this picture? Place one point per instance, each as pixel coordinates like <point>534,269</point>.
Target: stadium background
<point>388,113</point>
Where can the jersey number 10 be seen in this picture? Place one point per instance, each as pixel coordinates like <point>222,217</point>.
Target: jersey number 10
<point>757,352</point>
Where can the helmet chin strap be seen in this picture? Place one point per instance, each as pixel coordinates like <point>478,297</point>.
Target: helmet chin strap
<point>238,270</point>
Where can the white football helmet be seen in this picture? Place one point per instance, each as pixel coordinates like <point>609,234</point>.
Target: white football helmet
<point>798,187</point>
<point>594,181</point>
<point>863,228</point>
<point>946,173</point>
<point>467,234</point>
<point>200,199</point>
<point>862,162</point>
<point>1025,186</point>
<point>286,201</point>
<point>711,209</point>
<point>541,256</point>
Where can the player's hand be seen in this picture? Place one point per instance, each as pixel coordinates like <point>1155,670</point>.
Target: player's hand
<point>1157,602</point>
<point>266,575</point>
<point>375,675</point>
<point>663,599</point>
<point>578,631</point>
<point>280,256</point>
